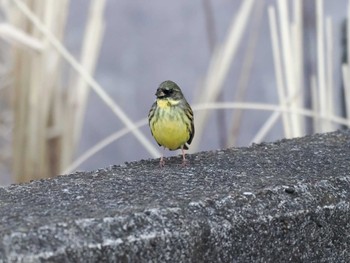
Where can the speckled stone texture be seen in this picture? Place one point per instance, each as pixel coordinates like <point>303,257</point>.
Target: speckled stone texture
<point>287,201</point>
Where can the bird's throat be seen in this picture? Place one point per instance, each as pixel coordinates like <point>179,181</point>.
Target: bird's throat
<point>164,103</point>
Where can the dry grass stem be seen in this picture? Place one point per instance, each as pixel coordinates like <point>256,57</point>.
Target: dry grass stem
<point>346,81</point>
<point>100,145</point>
<point>321,64</point>
<point>288,53</point>
<point>87,77</point>
<point>219,66</point>
<point>19,38</point>
<point>329,71</point>
<point>281,90</point>
<point>245,73</point>
<point>77,100</point>
<point>315,102</point>
<point>269,107</point>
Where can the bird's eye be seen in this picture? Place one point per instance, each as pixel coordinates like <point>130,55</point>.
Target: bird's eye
<point>168,91</point>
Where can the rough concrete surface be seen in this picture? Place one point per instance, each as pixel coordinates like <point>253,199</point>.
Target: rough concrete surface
<point>286,201</point>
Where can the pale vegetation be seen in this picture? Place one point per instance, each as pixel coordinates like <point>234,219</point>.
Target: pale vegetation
<point>42,107</point>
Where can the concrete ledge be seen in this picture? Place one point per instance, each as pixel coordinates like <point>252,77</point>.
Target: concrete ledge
<point>287,201</point>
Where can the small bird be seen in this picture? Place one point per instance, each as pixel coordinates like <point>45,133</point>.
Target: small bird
<point>171,119</point>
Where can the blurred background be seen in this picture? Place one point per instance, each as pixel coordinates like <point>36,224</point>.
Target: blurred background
<point>78,77</point>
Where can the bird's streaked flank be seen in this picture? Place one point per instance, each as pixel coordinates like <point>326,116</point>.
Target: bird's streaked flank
<point>171,119</point>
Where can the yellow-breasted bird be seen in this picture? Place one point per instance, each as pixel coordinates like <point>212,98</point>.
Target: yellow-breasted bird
<point>171,119</point>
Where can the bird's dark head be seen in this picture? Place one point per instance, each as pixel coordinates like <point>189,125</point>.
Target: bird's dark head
<point>169,89</point>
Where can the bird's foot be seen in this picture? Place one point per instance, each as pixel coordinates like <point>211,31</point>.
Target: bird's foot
<point>161,163</point>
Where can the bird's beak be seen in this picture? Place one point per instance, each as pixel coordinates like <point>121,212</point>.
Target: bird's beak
<point>160,93</point>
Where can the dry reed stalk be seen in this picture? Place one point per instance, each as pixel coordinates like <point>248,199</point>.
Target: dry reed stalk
<point>266,128</point>
<point>19,38</point>
<point>56,21</point>
<point>288,61</point>
<point>330,69</point>
<point>102,144</point>
<point>88,78</point>
<point>281,90</point>
<point>77,99</point>
<point>293,70</point>
<point>270,122</point>
<point>321,64</point>
<point>210,24</point>
<point>38,101</point>
<point>211,36</point>
<point>219,66</point>
<point>35,75</point>
<point>346,81</point>
<point>245,72</point>
<point>297,40</point>
<point>315,102</point>
<point>288,55</point>
<point>268,107</point>
<point>346,68</point>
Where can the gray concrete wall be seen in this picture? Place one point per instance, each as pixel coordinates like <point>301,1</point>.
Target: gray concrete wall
<point>286,201</point>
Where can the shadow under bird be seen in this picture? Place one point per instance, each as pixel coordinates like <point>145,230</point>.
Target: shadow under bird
<point>171,119</point>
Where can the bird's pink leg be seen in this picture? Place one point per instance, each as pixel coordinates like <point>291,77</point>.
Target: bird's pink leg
<point>184,161</point>
<point>161,162</point>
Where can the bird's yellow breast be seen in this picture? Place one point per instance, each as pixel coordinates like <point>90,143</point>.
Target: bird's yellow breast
<point>170,129</point>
